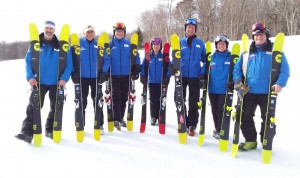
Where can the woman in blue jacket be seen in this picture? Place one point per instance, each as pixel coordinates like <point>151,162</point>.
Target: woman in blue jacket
<point>49,79</point>
<point>219,68</point>
<point>258,63</point>
<point>118,66</point>
<point>156,76</point>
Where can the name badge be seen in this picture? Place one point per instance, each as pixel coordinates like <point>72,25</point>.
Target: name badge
<point>126,45</point>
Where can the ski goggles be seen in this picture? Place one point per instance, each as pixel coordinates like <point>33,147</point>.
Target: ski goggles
<point>191,21</point>
<point>156,41</point>
<point>259,28</point>
<point>221,38</point>
<point>120,26</point>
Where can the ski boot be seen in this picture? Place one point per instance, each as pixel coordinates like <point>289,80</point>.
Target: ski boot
<point>117,125</point>
<point>191,131</point>
<point>153,121</point>
<point>246,146</point>
<point>26,138</point>
<point>216,135</point>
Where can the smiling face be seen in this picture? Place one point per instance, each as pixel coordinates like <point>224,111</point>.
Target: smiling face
<point>48,33</point>
<point>90,35</point>
<point>221,46</point>
<point>260,38</point>
<point>190,30</point>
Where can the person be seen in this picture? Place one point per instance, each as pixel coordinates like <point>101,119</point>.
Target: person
<point>193,60</point>
<point>257,78</point>
<point>155,76</point>
<point>119,67</point>
<point>219,68</point>
<point>49,79</point>
<point>88,68</point>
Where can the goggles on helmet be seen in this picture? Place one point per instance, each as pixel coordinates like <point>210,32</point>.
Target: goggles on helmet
<point>156,41</point>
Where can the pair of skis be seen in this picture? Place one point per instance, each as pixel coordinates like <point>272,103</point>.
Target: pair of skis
<point>164,88</point>
<point>35,99</point>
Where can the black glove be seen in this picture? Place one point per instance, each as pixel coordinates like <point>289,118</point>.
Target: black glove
<point>172,70</point>
<point>143,80</point>
<point>103,77</point>
<point>229,86</point>
<point>135,76</point>
<point>166,81</point>
<point>202,81</point>
<point>135,71</point>
<point>75,77</point>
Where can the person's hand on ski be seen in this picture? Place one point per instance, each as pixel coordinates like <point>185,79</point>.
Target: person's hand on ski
<point>229,86</point>
<point>62,83</point>
<point>276,88</point>
<point>173,70</point>
<point>240,88</point>
<point>166,81</point>
<point>33,82</point>
<point>202,81</point>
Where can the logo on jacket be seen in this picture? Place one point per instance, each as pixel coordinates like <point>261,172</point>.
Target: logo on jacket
<point>251,57</point>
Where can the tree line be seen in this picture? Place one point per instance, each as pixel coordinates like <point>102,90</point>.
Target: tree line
<point>230,17</point>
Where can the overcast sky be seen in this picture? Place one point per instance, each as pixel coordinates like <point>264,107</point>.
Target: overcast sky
<point>15,15</point>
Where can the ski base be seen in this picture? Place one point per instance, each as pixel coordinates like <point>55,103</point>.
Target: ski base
<point>162,128</point>
<point>110,126</point>
<point>266,156</point>
<point>80,136</point>
<point>234,149</point>
<point>37,140</point>
<point>142,127</point>
<point>129,125</point>
<point>182,138</point>
<point>56,136</point>
<point>201,139</point>
<point>97,133</point>
<point>223,145</point>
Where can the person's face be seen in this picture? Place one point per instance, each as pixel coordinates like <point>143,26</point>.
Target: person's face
<point>119,34</point>
<point>89,35</point>
<point>260,38</point>
<point>190,30</point>
<point>156,48</point>
<point>221,46</point>
<point>48,33</point>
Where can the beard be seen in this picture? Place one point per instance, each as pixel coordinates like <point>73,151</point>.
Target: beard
<point>48,35</point>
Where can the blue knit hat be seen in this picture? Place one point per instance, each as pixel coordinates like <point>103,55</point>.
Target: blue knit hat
<point>49,23</point>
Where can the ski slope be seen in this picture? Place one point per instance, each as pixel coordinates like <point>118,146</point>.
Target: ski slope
<point>132,154</point>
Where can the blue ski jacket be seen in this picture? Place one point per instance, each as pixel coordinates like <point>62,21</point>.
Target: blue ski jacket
<point>119,60</point>
<point>258,71</point>
<point>191,58</point>
<point>219,68</point>
<point>88,58</point>
<point>155,70</point>
<point>49,66</point>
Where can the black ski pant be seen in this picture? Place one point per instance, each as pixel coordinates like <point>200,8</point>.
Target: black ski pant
<point>217,102</point>
<point>250,103</point>
<point>28,121</point>
<point>86,84</point>
<point>192,116</point>
<point>120,89</point>
<point>154,93</point>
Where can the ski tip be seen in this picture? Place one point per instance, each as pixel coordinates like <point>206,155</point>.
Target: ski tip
<point>201,139</point>
<point>37,140</point>
<point>266,156</point>
<point>110,126</point>
<point>142,127</point>
<point>182,138</point>
<point>80,136</point>
<point>97,134</point>
<point>56,136</point>
<point>234,150</point>
<point>129,125</point>
<point>223,145</point>
<point>162,128</point>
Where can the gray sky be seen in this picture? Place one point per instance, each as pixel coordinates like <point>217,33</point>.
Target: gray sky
<point>15,15</point>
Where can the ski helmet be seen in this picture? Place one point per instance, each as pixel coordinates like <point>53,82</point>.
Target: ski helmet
<point>260,28</point>
<point>222,37</point>
<point>119,26</point>
<point>156,41</point>
<point>191,21</point>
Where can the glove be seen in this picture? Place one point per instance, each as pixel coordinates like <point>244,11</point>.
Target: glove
<point>173,70</point>
<point>166,81</point>
<point>241,89</point>
<point>135,76</point>
<point>143,80</point>
<point>229,86</point>
<point>135,72</point>
<point>202,81</point>
<point>75,77</point>
<point>103,77</point>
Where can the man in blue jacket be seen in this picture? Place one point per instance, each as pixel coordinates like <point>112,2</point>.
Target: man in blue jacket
<point>118,66</point>
<point>193,60</point>
<point>49,79</point>
<point>257,77</point>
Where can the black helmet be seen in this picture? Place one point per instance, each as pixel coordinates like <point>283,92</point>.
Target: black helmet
<point>190,21</point>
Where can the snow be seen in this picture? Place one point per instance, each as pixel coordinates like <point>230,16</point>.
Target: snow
<point>132,154</point>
